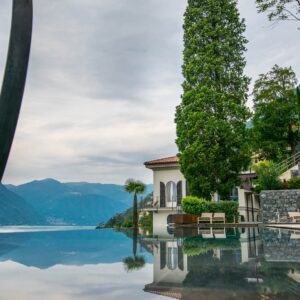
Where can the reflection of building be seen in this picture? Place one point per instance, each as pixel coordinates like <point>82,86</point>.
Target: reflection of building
<point>170,186</point>
<point>223,268</point>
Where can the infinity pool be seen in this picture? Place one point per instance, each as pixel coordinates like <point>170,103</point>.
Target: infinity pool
<point>83,263</point>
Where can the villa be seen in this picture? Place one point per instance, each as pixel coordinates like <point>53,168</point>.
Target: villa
<point>171,265</point>
<point>170,187</point>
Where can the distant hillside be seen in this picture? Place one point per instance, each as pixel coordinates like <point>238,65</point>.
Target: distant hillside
<point>79,203</point>
<point>124,219</point>
<point>14,210</point>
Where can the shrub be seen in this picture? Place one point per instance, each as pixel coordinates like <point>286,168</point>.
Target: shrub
<point>197,246</point>
<point>197,206</point>
<point>267,175</point>
<point>194,205</point>
<point>127,223</point>
<point>294,183</point>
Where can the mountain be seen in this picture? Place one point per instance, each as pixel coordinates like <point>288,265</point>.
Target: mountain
<point>78,203</point>
<point>73,247</point>
<point>16,211</point>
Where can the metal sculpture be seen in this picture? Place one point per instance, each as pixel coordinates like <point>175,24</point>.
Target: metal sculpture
<point>15,76</point>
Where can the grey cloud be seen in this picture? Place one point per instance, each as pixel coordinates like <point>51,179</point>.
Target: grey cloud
<point>104,81</point>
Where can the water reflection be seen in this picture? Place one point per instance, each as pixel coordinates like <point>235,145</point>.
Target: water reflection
<point>227,263</point>
<point>210,263</point>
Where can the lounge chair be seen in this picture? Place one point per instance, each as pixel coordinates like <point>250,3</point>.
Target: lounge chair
<point>295,235</point>
<point>219,217</point>
<point>294,216</point>
<point>206,233</point>
<point>205,217</point>
<point>219,233</point>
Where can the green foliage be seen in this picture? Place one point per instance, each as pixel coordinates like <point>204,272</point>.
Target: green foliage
<point>276,107</point>
<point>197,246</point>
<point>211,119</point>
<point>294,183</point>
<point>280,9</point>
<point>197,206</point>
<point>136,187</point>
<point>267,174</point>
<point>146,222</point>
<point>124,219</point>
<point>134,263</point>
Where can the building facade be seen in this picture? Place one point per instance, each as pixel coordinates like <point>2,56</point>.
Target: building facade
<point>170,187</point>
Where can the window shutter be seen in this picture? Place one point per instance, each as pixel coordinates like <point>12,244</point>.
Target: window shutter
<point>179,192</point>
<point>180,259</point>
<point>162,195</point>
<point>163,252</point>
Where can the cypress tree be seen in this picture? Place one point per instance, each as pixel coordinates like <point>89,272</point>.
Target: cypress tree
<point>211,119</point>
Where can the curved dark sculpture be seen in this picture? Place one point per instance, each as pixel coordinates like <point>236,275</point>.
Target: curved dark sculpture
<point>14,76</point>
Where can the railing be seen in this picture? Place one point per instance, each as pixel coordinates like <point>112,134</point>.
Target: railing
<point>155,206</point>
<point>288,163</point>
<point>150,205</point>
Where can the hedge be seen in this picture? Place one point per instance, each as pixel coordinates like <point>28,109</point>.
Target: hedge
<point>197,206</point>
<point>197,246</point>
<point>294,183</point>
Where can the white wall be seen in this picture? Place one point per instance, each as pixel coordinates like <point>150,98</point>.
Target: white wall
<point>165,175</point>
<point>166,275</point>
<point>160,222</point>
<point>243,211</point>
<point>287,175</point>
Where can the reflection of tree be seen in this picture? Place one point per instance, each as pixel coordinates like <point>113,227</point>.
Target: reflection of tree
<point>134,262</point>
<point>197,245</point>
<point>226,272</point>
<point>207,271</point>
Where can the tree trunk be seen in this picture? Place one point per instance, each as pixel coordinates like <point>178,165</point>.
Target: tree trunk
<point>135,211</point>
<point>134,241</point>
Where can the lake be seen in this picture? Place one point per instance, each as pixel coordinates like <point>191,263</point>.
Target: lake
<point>83,263</point>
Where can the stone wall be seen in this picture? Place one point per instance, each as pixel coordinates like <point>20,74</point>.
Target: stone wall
<point>275,205</point>
<point>281,245</point>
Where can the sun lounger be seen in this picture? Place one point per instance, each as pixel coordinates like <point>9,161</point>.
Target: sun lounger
<point>206,233</point>
<point>205,217</point>
<point>219,233</point>
<point>219,217</point>
<point>295,235</point>
<point>294,216</point>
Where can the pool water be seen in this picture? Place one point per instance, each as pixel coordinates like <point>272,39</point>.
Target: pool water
<point>83,263</point>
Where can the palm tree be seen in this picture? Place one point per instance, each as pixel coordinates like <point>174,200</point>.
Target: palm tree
<point>134,263</point>
<point>136,187</point>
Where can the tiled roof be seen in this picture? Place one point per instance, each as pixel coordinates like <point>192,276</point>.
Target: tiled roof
<point>163,161</point>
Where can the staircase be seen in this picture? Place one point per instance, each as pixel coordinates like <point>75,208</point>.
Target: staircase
<point>288,163</point>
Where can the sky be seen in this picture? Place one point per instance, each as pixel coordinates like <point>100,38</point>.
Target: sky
<point>104,80</point>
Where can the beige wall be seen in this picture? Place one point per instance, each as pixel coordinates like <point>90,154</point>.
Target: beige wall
<point>287,175</point>
<point>165,175</point>
<point>160,222</point>
<point>166,275</point>
<point>243,205</point>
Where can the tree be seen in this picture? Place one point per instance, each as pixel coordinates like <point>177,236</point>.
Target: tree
<point>211,118</point>
<point>134,263</point>
<point>136,187</point>
<point>286,10</point>
<point>276,114</point>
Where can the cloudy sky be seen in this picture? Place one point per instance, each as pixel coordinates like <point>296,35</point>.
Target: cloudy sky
<point>104,80</point>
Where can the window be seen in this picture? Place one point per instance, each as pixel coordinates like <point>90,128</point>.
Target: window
<point>171,191</point>
<point>172,258</point>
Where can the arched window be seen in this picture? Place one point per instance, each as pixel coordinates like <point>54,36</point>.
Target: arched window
<point>172,258</point>
<point>171,192</point>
